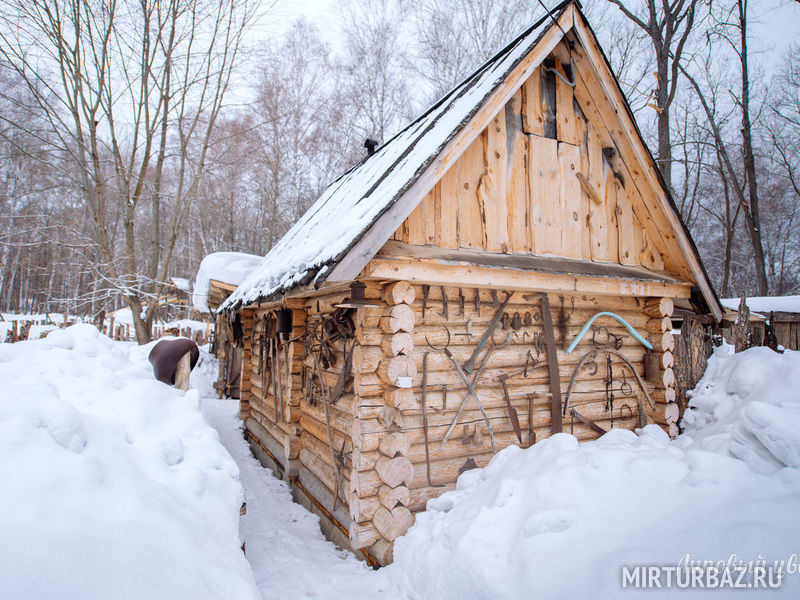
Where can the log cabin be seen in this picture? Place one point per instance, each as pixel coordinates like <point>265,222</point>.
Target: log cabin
<point>217,277</point>
<point>501,270</point>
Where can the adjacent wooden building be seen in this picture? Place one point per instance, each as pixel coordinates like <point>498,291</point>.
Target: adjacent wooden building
<point>467,255</point>
<point>218,276</point>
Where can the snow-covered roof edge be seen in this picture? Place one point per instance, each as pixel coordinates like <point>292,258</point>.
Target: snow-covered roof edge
<point>342,258</point>
<point>381,179</point>
<point>226,267</point>
<point>766,304</point>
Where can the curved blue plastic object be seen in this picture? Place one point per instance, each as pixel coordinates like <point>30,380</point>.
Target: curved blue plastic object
<point>627,325</point>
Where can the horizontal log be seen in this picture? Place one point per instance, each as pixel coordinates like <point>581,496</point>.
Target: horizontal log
<point>659,324</point>
<point>514,356</point>
<point>364,461</point>
<point>363,509</point>
<point>390,497</point>
<point>367,358</point>
<point>362,535</point>
<point>527,298</point>
<point>662,342</point>
<point>398,343</point>
<point>401,398</point>
<point>320,449</point>
<point>318,429</point>
<point>400,292</point>
<point>368,336</point>
<point>667,359</point>
<point>324,473</point>
<point>368,385</point>
<point>393,444</point>
<point>400,318</point>
<point>383,551</point>
<point>390,369</point>
<point>672,413</point>
<point>391,524</point>
<point>394,471</point>
<point>291,446</point>
<point>668,377</point>
<point>659,307</point>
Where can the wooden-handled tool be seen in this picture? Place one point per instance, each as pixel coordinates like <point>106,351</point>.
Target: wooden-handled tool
<point>552,362</point>
<point>512,412</point>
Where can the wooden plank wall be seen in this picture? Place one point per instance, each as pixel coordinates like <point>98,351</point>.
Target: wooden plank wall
<point>578,195</point>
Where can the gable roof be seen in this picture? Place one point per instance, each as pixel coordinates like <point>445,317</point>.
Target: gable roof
<point>359,211</point>
<point>347,208</point>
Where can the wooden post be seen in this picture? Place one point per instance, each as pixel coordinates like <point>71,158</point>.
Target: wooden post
<point>182,372</point>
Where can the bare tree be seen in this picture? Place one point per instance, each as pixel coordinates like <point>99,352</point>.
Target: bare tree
<point>668,25</point>
<point>131,91</point>
<point>455,36</point>
<point>374,90</point>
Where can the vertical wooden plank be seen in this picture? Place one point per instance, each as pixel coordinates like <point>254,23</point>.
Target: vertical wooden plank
<point>544,192</point>
<point>532,114</point>
<point>516,174</point>
<point>565,113</point>
<point>598,214</point>
<point>612,217</point>
<point>649,256</point>
<point>492,188</point>
<point>429,217</point>
<point>416,228</point>
<point>437,212</point>
<point>586,202</point>
<point>448,208</point>
<point>570,202</point>
<point>549,99</point>
<point>628,252</point>
<point>470,170</point>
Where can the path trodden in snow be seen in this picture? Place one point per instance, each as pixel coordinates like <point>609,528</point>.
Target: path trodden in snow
<point>290,557</point>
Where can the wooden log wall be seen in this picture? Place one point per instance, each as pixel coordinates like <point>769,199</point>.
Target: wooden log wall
<point>389,479</point>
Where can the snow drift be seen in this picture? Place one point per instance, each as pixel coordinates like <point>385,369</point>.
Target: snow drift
<point>559,520</point>
<point>113,484</point>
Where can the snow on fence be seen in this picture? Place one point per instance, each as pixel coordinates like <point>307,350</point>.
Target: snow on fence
<point>118,326</point>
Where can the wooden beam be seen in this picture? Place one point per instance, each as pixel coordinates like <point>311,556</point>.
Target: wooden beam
<point>526,262</point>
<point>431,272</point>
<point>380,231</point>
<point>225,286</point>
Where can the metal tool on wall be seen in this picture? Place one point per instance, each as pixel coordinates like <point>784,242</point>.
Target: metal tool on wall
<point>591,355</point>
<point>470,388</point>
<point>512,412</point>
<point>470,362</point>
<point>425,418</point>
<point>552,362</point>
<point>622,321</point>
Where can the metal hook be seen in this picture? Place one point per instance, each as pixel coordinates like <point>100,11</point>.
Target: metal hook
<point>439,347</point>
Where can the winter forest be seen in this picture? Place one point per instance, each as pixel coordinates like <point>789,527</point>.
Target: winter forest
<point>137,137</point>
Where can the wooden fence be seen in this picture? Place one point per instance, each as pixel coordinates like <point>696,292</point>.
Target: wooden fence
<point>20,330</point>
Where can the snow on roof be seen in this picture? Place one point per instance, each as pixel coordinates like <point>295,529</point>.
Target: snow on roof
<point>227,267</point>
<point>353,202</point>
<point>766,304</point>
<point>183,284</point>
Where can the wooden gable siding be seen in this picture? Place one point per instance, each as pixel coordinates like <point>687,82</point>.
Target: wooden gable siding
<point>514,190</point>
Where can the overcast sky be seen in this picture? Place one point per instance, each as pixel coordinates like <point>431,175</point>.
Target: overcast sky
<point>774,23</point>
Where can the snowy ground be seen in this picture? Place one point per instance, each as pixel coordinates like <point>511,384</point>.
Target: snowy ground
<point>119,486</point>
<point>288,553</point>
